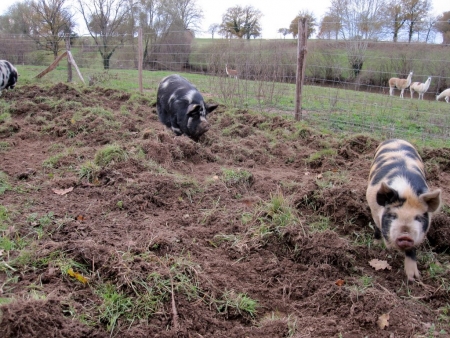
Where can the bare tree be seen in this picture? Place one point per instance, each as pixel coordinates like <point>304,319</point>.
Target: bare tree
<point>310,20</point>
<point>395,16</point>
<point>105,21</point>
<point>213,28</point>
<point>50,21</point>
<point>329,26</point>
<point>443,27</point>
<point>242,22</point>
<point>415,11</point>
<point>359,21</point>
<point>166,22</point>
<point>16,20</point>
<point>14,25</point>
<point>284,32</point>
<point>429,28</point>
<point>184,13</point>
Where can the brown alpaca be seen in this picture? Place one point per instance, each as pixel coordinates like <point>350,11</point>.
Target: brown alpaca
<point>401,84</point>
<point>231,72</point>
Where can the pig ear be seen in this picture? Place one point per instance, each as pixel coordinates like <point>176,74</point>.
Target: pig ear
<point>432,199</point>
<point>192,109</point>
<point>210,108</point>
<point>386,195</point>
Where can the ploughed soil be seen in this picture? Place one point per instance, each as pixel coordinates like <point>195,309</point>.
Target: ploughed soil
<point>260,229</point>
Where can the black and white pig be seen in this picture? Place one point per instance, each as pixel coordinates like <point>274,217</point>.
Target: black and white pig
<point>181,107</point>
<point>8,75</point>
<point>400,200</point>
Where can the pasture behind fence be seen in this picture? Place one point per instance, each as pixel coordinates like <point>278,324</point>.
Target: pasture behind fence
<point>346,83</point>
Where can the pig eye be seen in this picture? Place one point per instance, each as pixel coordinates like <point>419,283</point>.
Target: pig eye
<point>421,218</point>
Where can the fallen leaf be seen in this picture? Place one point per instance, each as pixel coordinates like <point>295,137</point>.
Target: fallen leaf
<point>62,191</point>
<point>307,173</point>
<point>340,282</point>
<point>78,276</point>
<point>80,218</point>
<point>379,264</point>
<point>383,321</point>
<point>319,176</point>
<point>215,177</point>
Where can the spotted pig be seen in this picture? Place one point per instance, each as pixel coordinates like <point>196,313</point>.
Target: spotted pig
<point>181,107</point>
<point>400,200</point>
<point>8,75</point>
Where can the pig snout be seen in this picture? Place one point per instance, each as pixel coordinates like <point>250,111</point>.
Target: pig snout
<point>204,126</point>
<point>404,242</point>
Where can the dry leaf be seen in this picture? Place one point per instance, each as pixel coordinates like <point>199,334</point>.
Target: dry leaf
<point>62,191</point>
<point>383,321</point>
<point>78,276</point>
<point>340,282</point>
<point>80,218</point>
<point>307,173</point>
<point>319,176</point>
<point>379,265</point>
<point>215,177</point>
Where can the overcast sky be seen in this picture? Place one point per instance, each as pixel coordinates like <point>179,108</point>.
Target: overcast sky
<point>276,13</point>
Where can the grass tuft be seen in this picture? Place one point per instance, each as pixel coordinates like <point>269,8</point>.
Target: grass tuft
<point>110,153</point>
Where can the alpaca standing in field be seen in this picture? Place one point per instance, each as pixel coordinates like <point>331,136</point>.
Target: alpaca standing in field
<point>401,84</point>
<point>445,93</point>
<point>231,72</point>
<point>419,87</point>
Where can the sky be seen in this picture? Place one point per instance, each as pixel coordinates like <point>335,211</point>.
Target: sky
<point>276,13</point>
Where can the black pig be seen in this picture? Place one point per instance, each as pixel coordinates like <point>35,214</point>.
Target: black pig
<point>181,107</point>
<point>8,75</point>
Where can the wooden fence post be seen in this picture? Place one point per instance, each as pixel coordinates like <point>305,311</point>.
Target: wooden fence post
<point>140,56</point>
<point>69,64</point>
<point>301,60</point>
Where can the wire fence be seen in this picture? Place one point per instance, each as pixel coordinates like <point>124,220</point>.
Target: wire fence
<point>346,86</point>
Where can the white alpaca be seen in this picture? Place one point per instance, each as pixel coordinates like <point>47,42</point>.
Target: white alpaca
<point>231,72</point>
<point>445,93</point>
<point>421,88</point>
<point>401,84</point>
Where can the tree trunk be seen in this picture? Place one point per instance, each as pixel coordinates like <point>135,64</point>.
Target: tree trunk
<point>106,62</point>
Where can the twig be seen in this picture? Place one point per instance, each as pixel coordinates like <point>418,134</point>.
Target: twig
<point>8,266</point>
<point>174,307</point>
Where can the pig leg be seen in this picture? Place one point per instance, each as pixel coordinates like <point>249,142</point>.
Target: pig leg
<point>411,265</point>
<point>377,233</point>
<point>175,127</point>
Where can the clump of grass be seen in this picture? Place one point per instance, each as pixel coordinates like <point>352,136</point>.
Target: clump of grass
<point>40,223</point>
<point>239,177</point>
<point>4,117</point>
<point>232,302</point>
<point>321,154</point>
<point>52,161</point>
<point>279,211</point>
<point>114,305</point>
<point>269,218</point>
<point>320,224</point>
<point>89,170</point>
<point>4,183</point>
<point>4,145</point>
<point>110,153</point>
<point>330,179</point>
